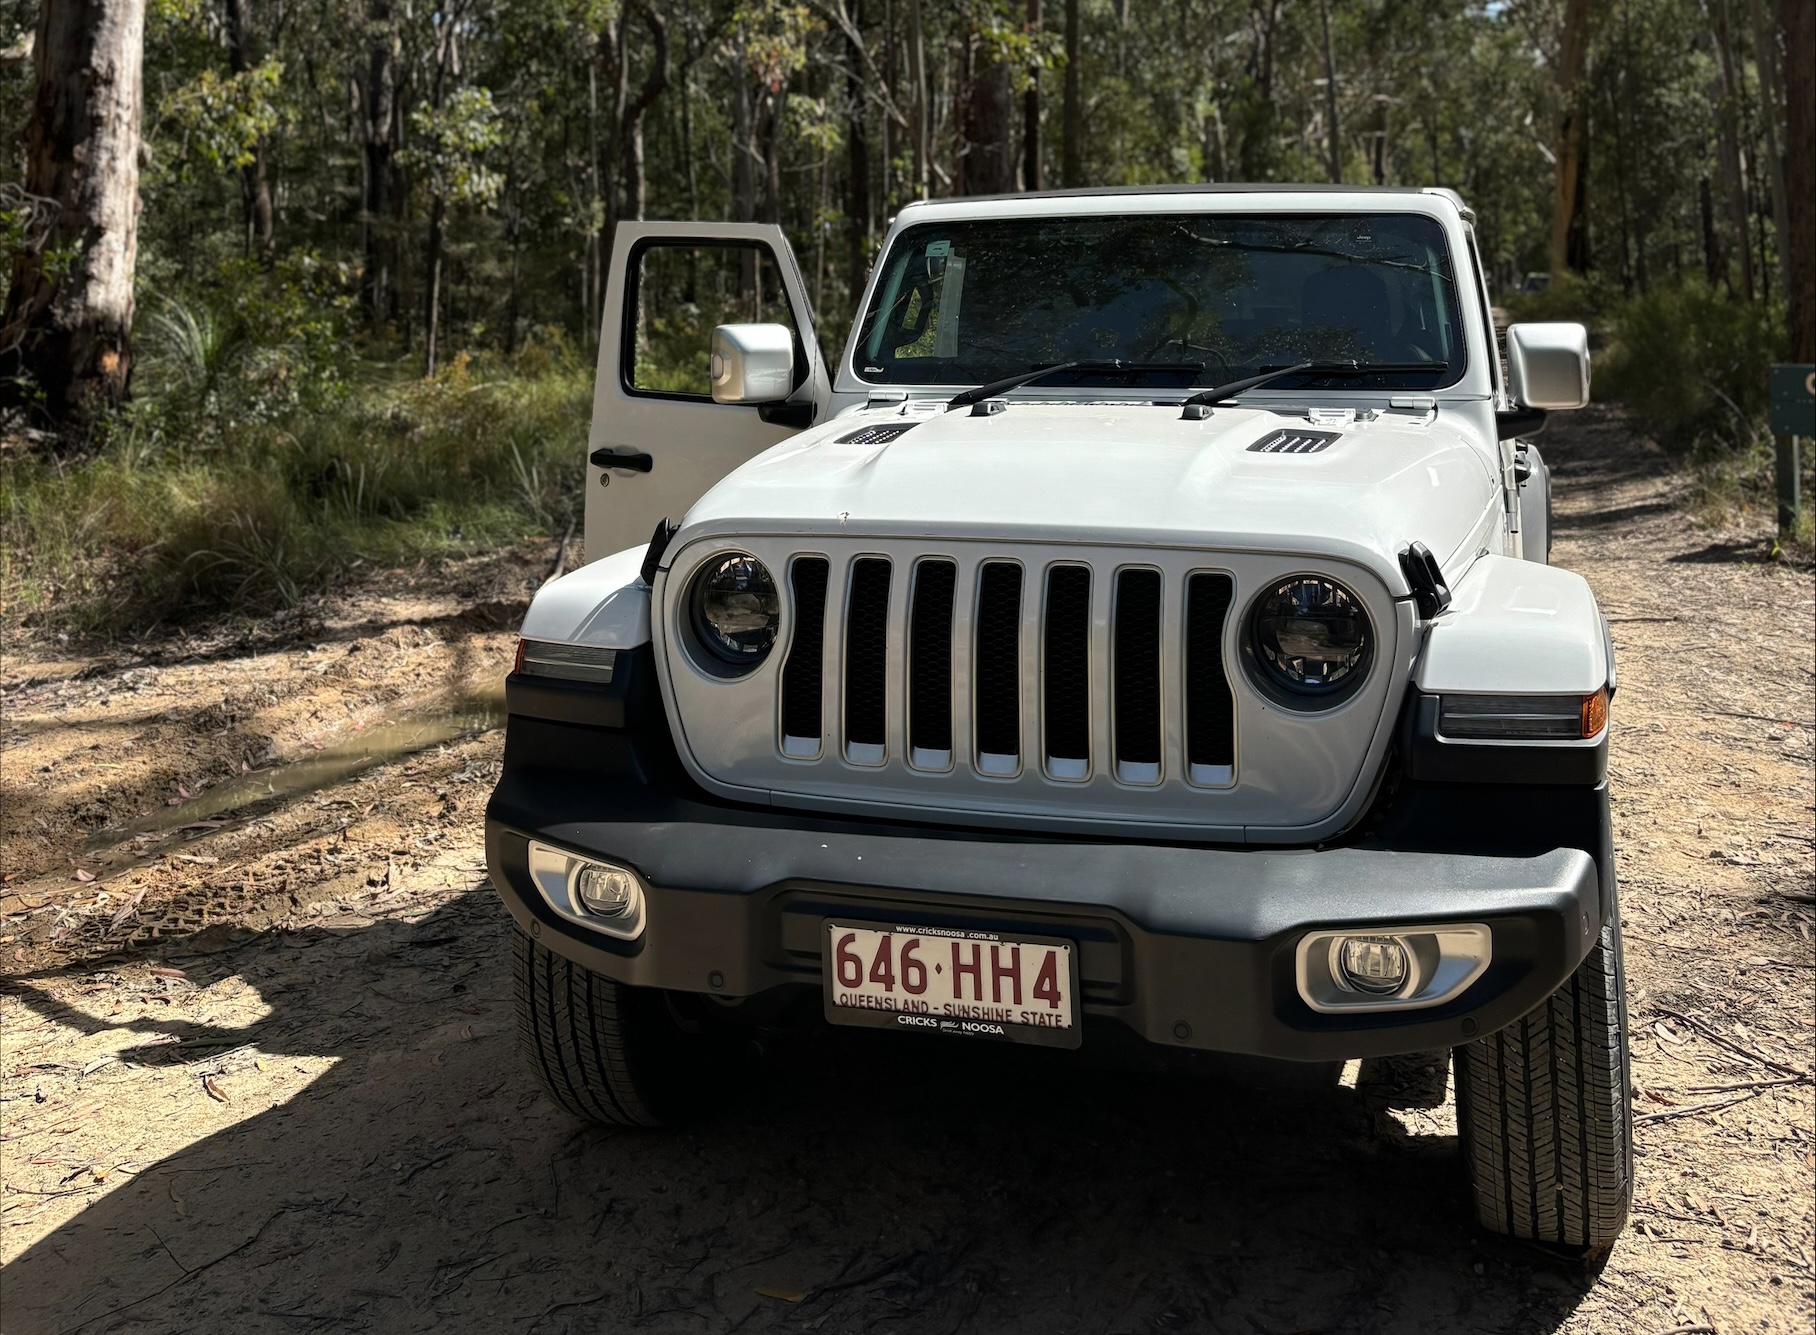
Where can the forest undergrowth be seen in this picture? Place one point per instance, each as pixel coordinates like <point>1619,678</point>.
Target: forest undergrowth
<point>265,458</point>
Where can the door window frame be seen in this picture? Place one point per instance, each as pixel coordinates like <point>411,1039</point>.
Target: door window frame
<point>633,295</point>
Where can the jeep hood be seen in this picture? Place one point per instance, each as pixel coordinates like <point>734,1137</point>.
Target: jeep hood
<point>1122,473</point>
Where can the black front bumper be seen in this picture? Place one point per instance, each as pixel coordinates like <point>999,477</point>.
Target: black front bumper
<point>1187,946</point>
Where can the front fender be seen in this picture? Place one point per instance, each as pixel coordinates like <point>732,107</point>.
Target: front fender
<point>1519,628</point>
<point>604,605</point>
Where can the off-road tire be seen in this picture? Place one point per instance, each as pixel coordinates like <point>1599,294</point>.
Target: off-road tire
<point>604,1051</point>
<point>1544,1115</point>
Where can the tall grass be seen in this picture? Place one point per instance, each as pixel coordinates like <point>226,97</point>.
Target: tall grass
<point>248,476</point>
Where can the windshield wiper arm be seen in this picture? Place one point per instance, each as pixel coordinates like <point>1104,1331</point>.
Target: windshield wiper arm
<point>965,398</point>
<point>1218,393</point>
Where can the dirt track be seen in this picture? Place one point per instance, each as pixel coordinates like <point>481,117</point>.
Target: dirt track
<point>278,1090</point>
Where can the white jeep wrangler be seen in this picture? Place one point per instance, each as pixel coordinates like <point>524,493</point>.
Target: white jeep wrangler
<point>1144,628</point>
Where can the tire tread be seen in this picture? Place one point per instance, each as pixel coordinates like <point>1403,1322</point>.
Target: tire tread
<point>576,1029</point>
<point>1544,1116</point>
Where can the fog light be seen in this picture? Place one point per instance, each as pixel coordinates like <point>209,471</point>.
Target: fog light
<point>1374,964</point>
<point>607,891</point>
<point>1397,967</point>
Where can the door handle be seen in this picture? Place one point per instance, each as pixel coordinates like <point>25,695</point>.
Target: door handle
<point>636,461</point>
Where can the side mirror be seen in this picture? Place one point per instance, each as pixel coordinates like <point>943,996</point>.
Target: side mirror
<point>752,363</point>
<point>1548,365</point>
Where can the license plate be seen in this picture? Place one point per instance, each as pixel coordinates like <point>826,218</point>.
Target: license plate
<point>940,980</point>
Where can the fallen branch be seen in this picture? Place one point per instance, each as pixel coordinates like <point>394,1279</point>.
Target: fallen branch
<point>1732,1046</point>
<point>561,555</point>
<point>1690,1109</point>
<point>1749,1084</point>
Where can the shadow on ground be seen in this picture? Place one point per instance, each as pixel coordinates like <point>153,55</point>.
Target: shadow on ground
<point>851,1182</point>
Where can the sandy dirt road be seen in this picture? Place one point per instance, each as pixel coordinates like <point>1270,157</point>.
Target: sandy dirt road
<point>259,1073</point>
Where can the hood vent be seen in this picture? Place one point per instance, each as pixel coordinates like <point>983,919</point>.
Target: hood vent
<point>1295,442</point>
<point>878,435</point>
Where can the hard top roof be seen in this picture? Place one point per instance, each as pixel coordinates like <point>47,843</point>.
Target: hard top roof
<point>1208,188</point>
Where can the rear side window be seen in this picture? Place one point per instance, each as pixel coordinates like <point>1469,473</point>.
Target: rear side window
<point>678,292</point>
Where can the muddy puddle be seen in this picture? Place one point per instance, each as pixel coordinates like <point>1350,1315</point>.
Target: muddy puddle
<point>117,848</point>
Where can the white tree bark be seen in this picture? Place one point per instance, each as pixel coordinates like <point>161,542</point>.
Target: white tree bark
<point>66,339</point>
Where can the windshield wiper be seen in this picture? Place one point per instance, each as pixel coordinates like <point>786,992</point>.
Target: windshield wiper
<point>964,398</point>
<point>1219,393</point>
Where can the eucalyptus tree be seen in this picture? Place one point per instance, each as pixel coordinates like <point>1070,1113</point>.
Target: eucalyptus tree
<point>66,335</point>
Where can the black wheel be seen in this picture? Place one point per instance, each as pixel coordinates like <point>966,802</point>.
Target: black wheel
<point>1544,1116</point>
<point>606,1052</point>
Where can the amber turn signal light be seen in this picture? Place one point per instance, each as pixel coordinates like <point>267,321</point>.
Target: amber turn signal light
<point>1595,712</point>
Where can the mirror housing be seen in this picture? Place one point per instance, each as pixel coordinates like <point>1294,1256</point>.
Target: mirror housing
<point>1548,365</point>
<point>752,363</point>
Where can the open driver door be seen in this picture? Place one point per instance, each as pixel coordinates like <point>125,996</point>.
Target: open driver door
<point>707,357</point>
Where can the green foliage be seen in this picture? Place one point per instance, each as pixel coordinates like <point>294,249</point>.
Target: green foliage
<point>249,519</point>
<point>770,38</point>
<point>242,352</point>
<point>1692,365</point>
<point>222,117</point>
<point>450,147</point>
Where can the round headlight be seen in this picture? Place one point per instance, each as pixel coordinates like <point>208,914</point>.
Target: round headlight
<point>1311,638</point>
<point>736,609</point>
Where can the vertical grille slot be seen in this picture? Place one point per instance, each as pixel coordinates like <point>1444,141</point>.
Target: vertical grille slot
<point>1136,673</point>
<point>930,665</point>
<point>1210,709</point>
<point>803,675</point>
<point>997,668</point>
<point>1066,672</point>
<point>867,662</point>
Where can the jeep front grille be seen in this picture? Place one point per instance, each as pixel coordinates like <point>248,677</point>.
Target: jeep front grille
<point>930,665</point>
<point>1210,748</point>
<point>867,663</point>
<point>975,667</point>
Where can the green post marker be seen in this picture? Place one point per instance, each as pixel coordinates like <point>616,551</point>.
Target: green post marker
<point>1793,416</point>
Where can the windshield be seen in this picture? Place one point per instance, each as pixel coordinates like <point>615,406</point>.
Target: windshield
<point>1217,297</point>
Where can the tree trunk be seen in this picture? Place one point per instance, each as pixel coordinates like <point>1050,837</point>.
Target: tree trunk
<point>988,166</point>
<point>1334,149</point>
<point>255,185</point>
<point>1031,107</point>
<point>923,110</point>
<point>1771,100</point>
<point>775,117</point>
<point>1072,110</point>
<point>636,179</point>
<point>693,173</point>
<point>1798,18</point>
<point>1573,50</point>
<point>67,329</point>
<point>1714,262</point>
<point>1258,147</point>
<point>378,146</point>
<point>690,162</point>
<point>743,151</point>
<point>1727,139</point>
<point>514,234</point>
<point>431,309</point>
<point>857,166</point>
